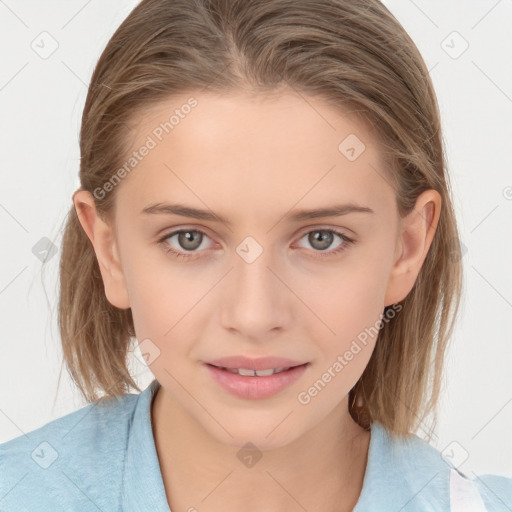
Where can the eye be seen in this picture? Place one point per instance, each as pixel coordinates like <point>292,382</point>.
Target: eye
<point>188,241</point>
<point>322,239</point>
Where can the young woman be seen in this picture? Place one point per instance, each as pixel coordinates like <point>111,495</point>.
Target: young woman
<point>264,206</point>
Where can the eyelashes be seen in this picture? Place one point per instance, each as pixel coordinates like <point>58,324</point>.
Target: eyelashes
<point>346,242</point>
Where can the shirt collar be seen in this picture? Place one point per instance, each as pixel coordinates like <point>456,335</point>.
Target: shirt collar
<point>399,471</point>
<point>403,473</point>
<point>143,486</point>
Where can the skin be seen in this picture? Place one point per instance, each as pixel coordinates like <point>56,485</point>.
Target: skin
<point>251,160</point>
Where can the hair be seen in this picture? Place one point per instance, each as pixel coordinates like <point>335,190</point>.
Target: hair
<point>353,54</point>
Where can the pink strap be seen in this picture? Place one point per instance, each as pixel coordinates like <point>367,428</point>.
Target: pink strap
<point>464,495</point>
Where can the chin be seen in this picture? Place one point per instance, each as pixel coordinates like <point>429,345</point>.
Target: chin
<point>264,435</point>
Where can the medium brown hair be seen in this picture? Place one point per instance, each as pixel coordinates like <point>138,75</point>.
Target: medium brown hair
<point>354,54</point>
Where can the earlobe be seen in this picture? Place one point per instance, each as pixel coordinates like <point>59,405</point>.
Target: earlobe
<point>417,231</point>
<point>101,236</point>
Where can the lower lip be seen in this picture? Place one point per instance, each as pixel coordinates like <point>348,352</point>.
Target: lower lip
<point>255,387</point>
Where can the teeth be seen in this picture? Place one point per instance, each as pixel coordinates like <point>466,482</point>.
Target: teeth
<point>253,373</point>
<point>264,373</point>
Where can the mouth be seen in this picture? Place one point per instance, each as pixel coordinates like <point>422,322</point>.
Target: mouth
<point>248,372</point>
<point>248,383</point>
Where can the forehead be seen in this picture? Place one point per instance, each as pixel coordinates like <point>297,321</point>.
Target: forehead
<point>239,149</point>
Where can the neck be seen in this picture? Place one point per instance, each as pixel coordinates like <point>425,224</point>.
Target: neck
<point>321,470</point>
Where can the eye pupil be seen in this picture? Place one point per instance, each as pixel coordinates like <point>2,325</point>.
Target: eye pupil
<point>188,239</point>
<point>324,237</point>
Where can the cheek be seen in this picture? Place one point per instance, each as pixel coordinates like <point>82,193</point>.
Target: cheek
<point>345,339</point>
<point>160,290</point>
<point>350,305</point>
<point>348,300</point>
<point>167,300</point>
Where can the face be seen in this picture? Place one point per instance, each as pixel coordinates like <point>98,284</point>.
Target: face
<point>263,281</point>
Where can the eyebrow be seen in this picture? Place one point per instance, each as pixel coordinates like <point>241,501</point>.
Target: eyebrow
<point>296,216</point>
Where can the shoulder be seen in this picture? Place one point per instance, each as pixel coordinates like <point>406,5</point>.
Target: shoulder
<point>495,491</point>
<point>73,460</point>
<point>466,492</point>
<point>407,473</point>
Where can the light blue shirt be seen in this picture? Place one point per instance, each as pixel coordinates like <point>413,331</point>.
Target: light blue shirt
<point>103,458</point>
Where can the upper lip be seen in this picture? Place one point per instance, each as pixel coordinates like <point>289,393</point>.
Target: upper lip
<point>248,363</point>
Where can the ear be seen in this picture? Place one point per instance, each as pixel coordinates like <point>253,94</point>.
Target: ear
<point>417,231</point>
<point>102,237</point>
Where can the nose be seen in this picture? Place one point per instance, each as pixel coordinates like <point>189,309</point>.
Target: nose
<point>255,302</point>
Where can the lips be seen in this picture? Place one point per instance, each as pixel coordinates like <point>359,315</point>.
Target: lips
<point>254,386</point>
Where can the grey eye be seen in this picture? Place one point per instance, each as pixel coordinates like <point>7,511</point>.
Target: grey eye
<point>188,240</point>
<point>322,239</point>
